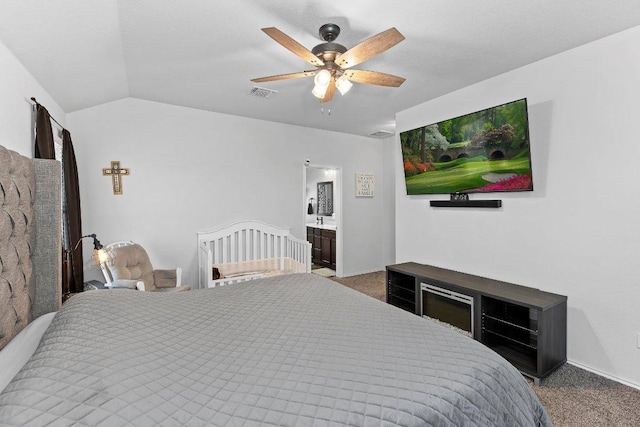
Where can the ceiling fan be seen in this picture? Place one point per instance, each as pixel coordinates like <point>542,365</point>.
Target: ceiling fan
<point>333,61</point>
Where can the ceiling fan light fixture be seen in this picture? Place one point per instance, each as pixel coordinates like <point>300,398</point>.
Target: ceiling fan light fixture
<point>320,90</point>
<point>322,78</point>
<point>331,59</point>
<point>343,84</point>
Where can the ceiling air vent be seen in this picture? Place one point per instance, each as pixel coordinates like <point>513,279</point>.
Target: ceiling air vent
<point>261,92</point>
<point>381,134</point>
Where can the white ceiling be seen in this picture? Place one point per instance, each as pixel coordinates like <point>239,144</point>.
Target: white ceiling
<point>203,53</point>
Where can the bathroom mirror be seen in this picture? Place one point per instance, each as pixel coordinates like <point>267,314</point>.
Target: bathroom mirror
<point>325,198</point>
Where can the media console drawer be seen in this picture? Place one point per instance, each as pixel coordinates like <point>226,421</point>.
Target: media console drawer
<point>526,326</point>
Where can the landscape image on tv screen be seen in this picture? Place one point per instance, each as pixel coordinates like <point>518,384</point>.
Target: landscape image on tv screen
<point>485,151</point>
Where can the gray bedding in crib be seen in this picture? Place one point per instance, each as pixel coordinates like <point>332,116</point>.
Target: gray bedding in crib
<point>292,350</point>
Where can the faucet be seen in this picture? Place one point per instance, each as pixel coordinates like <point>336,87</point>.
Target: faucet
<point>319,220</point>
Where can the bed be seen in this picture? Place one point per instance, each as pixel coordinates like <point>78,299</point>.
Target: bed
<point>291,350</point>
<point>249,250</point>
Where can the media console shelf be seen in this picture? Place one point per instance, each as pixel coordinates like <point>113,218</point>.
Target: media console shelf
<point>526,326</point>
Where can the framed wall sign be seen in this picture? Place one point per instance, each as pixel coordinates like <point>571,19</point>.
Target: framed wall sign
<point>365,184</point>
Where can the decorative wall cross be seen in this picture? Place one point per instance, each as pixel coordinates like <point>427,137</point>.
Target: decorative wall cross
<point>116,171</point>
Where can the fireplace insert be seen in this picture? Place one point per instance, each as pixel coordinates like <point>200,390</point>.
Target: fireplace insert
<point>452,308</point>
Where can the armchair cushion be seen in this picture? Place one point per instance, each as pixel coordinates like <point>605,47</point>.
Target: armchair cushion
<point>165,278</point>
<point>132,263</point>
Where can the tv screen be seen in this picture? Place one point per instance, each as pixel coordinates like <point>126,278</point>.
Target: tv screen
<point>485,151</point>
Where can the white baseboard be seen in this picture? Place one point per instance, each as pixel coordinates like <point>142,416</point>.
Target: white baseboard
<point>602,374</point>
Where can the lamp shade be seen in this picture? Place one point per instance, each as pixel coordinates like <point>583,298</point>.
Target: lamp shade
<point>319,90</point>
<point>343,85</point>
<point>322,78</point>
<point>100,256</point>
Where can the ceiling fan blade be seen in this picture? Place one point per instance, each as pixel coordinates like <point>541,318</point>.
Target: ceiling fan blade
<point>293,46</point>
<point>331,90</point>
<point>285,76</point>
<point>369,48</point>
<point>374,78</point>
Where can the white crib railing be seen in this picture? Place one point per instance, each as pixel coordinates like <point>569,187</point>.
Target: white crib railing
<point>253,249</point>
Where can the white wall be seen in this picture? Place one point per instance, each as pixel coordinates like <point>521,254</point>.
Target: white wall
<point>578,232</point>
<point>387,184</point>
<point>17,86</point>
<point>194,170</point>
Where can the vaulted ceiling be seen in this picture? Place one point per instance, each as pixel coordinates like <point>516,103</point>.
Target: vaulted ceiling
<point>203,53</point>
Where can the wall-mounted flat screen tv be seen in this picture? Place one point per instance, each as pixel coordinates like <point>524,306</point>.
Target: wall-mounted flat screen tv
<point>485,151</point>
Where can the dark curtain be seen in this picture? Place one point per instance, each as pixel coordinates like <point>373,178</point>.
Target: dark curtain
<point>44,135</point>
<point>72,215</point>
<point>45,149</point>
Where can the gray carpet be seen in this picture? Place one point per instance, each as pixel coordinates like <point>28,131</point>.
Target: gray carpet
<point>324,272</point>
<point>572,396</point>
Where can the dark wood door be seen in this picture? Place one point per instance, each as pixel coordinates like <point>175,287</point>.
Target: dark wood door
<point>326,250</point>
<point>317,250</point>
<point>333,253</point>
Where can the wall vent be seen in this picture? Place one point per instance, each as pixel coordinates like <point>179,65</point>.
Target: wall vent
<point>381,134</point>
<point>262,92</point>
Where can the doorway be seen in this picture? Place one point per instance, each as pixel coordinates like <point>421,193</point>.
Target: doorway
<point>322,216</point>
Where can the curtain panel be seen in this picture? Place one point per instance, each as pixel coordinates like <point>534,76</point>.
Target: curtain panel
<point>72,215</point>
<point>72,264</point>
<point>44,148</point>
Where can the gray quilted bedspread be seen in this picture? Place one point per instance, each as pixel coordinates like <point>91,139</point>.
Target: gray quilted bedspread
<point>294,350</point>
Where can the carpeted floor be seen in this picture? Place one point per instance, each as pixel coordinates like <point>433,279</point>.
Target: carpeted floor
<point>324,272</point>
<point>572,396</point>
<point>372,284</point>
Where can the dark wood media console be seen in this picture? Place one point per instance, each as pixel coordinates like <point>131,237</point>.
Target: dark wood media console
<point>526,326</point>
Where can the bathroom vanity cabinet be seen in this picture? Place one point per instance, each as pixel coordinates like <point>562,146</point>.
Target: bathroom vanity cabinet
<point>323,246</point>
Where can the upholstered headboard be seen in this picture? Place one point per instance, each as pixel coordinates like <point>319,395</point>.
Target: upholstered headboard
<point>30,241</point>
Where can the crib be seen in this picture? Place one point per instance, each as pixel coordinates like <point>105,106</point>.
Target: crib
<point>249,250</point>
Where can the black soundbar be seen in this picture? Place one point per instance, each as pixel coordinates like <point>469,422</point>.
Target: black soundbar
<point>466,203</point>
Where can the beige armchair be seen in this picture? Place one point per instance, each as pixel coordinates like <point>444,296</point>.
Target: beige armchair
<point>130,267</point>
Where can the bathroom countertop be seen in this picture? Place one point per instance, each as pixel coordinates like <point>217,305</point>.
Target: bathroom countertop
<point>322,226</point>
